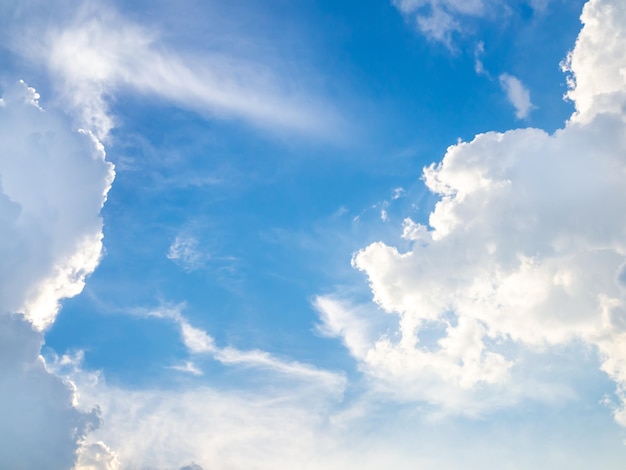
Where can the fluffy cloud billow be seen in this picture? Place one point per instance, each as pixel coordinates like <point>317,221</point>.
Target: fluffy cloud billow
<point>40,427</point>
<point>525,248</point>
<point>53,182</point>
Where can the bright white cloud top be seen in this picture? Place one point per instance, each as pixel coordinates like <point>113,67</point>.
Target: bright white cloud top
<point>480,306</point>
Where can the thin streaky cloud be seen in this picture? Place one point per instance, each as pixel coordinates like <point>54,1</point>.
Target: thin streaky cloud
<point>98,53</point>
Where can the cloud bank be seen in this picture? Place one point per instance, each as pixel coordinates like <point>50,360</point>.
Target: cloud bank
<point>40,427</point>
<point>525,249</point>
<point>53,182</point>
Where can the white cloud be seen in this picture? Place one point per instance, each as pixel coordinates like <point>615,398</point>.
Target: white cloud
<point>53,183</point>
<point>523,251</point>
<point>598,81</point>
<point>39,428</point>
<point>95,52</point>
<point>184,251</point>
<point>517,94</point>
<point>151,429</point>
<point>439,19</point>
<point>398,193</point>
<point>306,426</point>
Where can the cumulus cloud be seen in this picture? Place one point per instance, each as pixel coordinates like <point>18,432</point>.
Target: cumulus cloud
<point>479,66</point>
<point>278,425</point>
<point>305,426</point>
<point>96,456</point>
<point>225,430</point>
<point>40,427</point>
<point>189,368</point>
<point>523,251</point>
<point>53,182</point>
<point>597,80</point>
<point>517,94</point>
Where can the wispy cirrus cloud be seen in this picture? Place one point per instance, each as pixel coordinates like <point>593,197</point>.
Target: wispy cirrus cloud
<point>199,342</point>
<point>96,53</point>
<point>31,395</point>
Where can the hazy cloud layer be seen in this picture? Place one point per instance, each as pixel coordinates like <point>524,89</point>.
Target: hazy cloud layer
<point>94,52</point>
<point>517,94</point>
<point>598,82</point>
<point>40,427</point>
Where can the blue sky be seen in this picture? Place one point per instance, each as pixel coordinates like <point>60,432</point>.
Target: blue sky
<point>313,234</point>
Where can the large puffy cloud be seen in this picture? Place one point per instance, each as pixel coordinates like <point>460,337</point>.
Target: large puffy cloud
<point>525,249</point>
<point>598,81</point>
<point>40,427</point>
<point>53,184</point>
<point>279,424</point>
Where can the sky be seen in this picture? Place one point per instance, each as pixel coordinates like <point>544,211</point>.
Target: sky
<point>314,234</point>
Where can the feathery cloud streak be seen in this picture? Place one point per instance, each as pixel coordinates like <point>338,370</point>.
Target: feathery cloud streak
<point>96,53</point>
